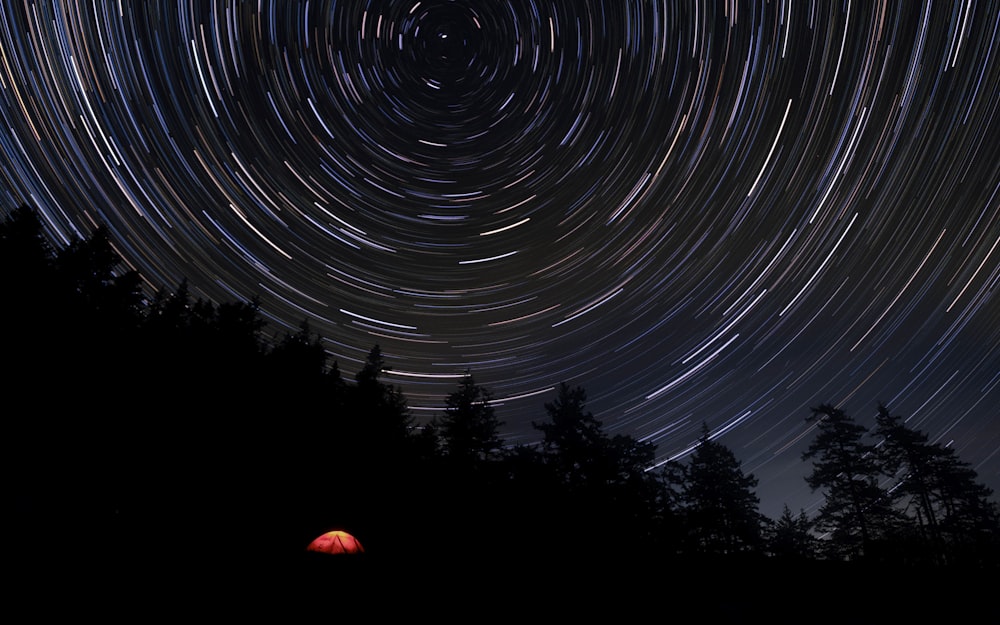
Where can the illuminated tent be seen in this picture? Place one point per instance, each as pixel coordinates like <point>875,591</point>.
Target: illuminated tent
<point>336,542</point>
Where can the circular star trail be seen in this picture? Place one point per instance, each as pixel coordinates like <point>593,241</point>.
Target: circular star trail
<point>704,212</point>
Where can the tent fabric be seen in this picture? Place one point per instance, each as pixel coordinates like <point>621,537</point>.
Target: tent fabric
<point>336,542</point>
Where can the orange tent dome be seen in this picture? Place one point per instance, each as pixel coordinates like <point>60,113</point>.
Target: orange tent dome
<point>336,542</point>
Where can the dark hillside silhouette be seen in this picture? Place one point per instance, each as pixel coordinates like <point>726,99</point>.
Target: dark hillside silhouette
<point>162,444</point>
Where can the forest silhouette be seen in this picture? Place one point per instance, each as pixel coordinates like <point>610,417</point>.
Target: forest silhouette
<point>165,446</point>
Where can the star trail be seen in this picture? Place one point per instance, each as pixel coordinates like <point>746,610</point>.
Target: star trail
<point>701,212</point>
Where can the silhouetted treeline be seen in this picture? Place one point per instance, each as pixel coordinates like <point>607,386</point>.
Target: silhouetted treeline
<point>177,426</point>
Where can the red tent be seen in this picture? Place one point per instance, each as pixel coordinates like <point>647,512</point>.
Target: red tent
<point>336,542</point>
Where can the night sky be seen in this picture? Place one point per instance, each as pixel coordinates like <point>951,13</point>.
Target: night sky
<point>700,212</point>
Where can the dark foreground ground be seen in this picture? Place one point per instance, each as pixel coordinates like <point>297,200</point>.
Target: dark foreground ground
<point>307,587</point>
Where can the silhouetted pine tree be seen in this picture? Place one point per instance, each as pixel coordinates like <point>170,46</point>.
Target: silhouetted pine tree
<point>573,440</point>
<point>857,512</point>
<point>107,297</point>
<point>386,459</point>
<point>28,285</point>
<point>604,481</point>
<point>720,506</point>
<point>27,281</point>
<point>381,407</point>
<point>469,429</point>
<point>671,481</point>
<point>297,364</point>
<point>953,513</point>
<point>789,538</point>
<point>466,490</point>
<point>24,249</point>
